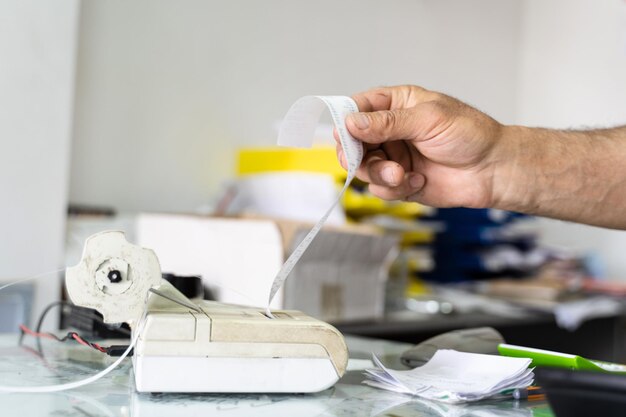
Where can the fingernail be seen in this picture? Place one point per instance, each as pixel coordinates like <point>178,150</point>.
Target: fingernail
<point>387,176</point>
<point>416,180</point>
<point>340,157</point>
<point>360,120</point>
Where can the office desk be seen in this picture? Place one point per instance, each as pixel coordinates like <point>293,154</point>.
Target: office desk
<point>114,395</point>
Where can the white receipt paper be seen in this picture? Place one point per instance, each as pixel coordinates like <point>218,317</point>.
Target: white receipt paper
<point>455,377</point>
<point>297,130</point>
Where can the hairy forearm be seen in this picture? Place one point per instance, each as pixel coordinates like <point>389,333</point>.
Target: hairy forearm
<point>570,175</point>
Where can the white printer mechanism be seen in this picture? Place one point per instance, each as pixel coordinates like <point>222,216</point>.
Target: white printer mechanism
<point>202,346</point>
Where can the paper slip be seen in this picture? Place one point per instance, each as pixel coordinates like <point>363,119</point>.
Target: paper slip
<point>455,377</point>
<point>298,129</point>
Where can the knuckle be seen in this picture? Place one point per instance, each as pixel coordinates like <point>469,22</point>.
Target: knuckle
<point>416,197</point>
<point>388,119</point>
<point>380,191</point>
<point>415,90</point>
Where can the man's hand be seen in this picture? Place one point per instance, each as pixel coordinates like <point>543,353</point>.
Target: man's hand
<point>426,147</point>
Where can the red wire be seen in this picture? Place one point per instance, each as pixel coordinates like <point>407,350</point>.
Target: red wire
<point>100,348</point>
<point>79,340</point>
<point>88,344</point>
<point>74,336</point>
<point>32,333</point>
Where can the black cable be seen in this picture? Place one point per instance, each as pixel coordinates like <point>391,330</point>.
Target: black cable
<point>94,316</point>
<point>46,310</point>
<point>41,319</point>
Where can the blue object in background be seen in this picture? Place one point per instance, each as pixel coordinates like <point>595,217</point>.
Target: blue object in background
<point>15,307</point>
<point>467,216</point>
<point>468,237</point>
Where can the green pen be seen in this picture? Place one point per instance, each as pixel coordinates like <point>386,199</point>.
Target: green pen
<point>549,358</point>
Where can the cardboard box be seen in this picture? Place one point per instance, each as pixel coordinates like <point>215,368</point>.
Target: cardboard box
<point>341,277</point>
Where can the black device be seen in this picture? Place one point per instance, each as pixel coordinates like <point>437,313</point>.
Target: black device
<point>90,322</point>
<point>582,393</point>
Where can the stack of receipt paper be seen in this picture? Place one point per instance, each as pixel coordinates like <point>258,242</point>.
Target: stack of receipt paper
<point>455,377</point>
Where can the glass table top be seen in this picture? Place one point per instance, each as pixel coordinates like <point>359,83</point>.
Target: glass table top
<point>114,395</point>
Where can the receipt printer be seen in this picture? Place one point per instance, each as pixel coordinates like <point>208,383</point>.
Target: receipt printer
<point>201,346</point>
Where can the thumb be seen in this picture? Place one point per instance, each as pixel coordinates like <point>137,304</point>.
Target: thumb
<point>388,125</point>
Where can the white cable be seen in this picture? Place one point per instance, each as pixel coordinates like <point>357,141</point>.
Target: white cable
<point>19,281</point>
<point>82,382</point>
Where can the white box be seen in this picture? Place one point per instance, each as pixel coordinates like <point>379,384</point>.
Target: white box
<point>341,277</point>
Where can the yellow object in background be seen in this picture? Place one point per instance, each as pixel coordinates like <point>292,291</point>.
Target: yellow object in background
<point>417,287</point>
<point>360,204</point>
<point>323,159</point>
<point>417,237</point>
<point>276,159</point>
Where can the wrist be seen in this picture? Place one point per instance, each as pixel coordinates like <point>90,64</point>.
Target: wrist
<point>569,175</point>
<point>513,185</point>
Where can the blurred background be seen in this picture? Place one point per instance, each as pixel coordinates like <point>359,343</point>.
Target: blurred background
<point>123,109</point>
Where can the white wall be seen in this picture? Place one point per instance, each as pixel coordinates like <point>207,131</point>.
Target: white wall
<point>37,57</point>
<point>166,91</point>
<point>574,75</point>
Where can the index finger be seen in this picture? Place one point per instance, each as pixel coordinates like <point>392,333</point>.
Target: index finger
<point>392,98</point>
